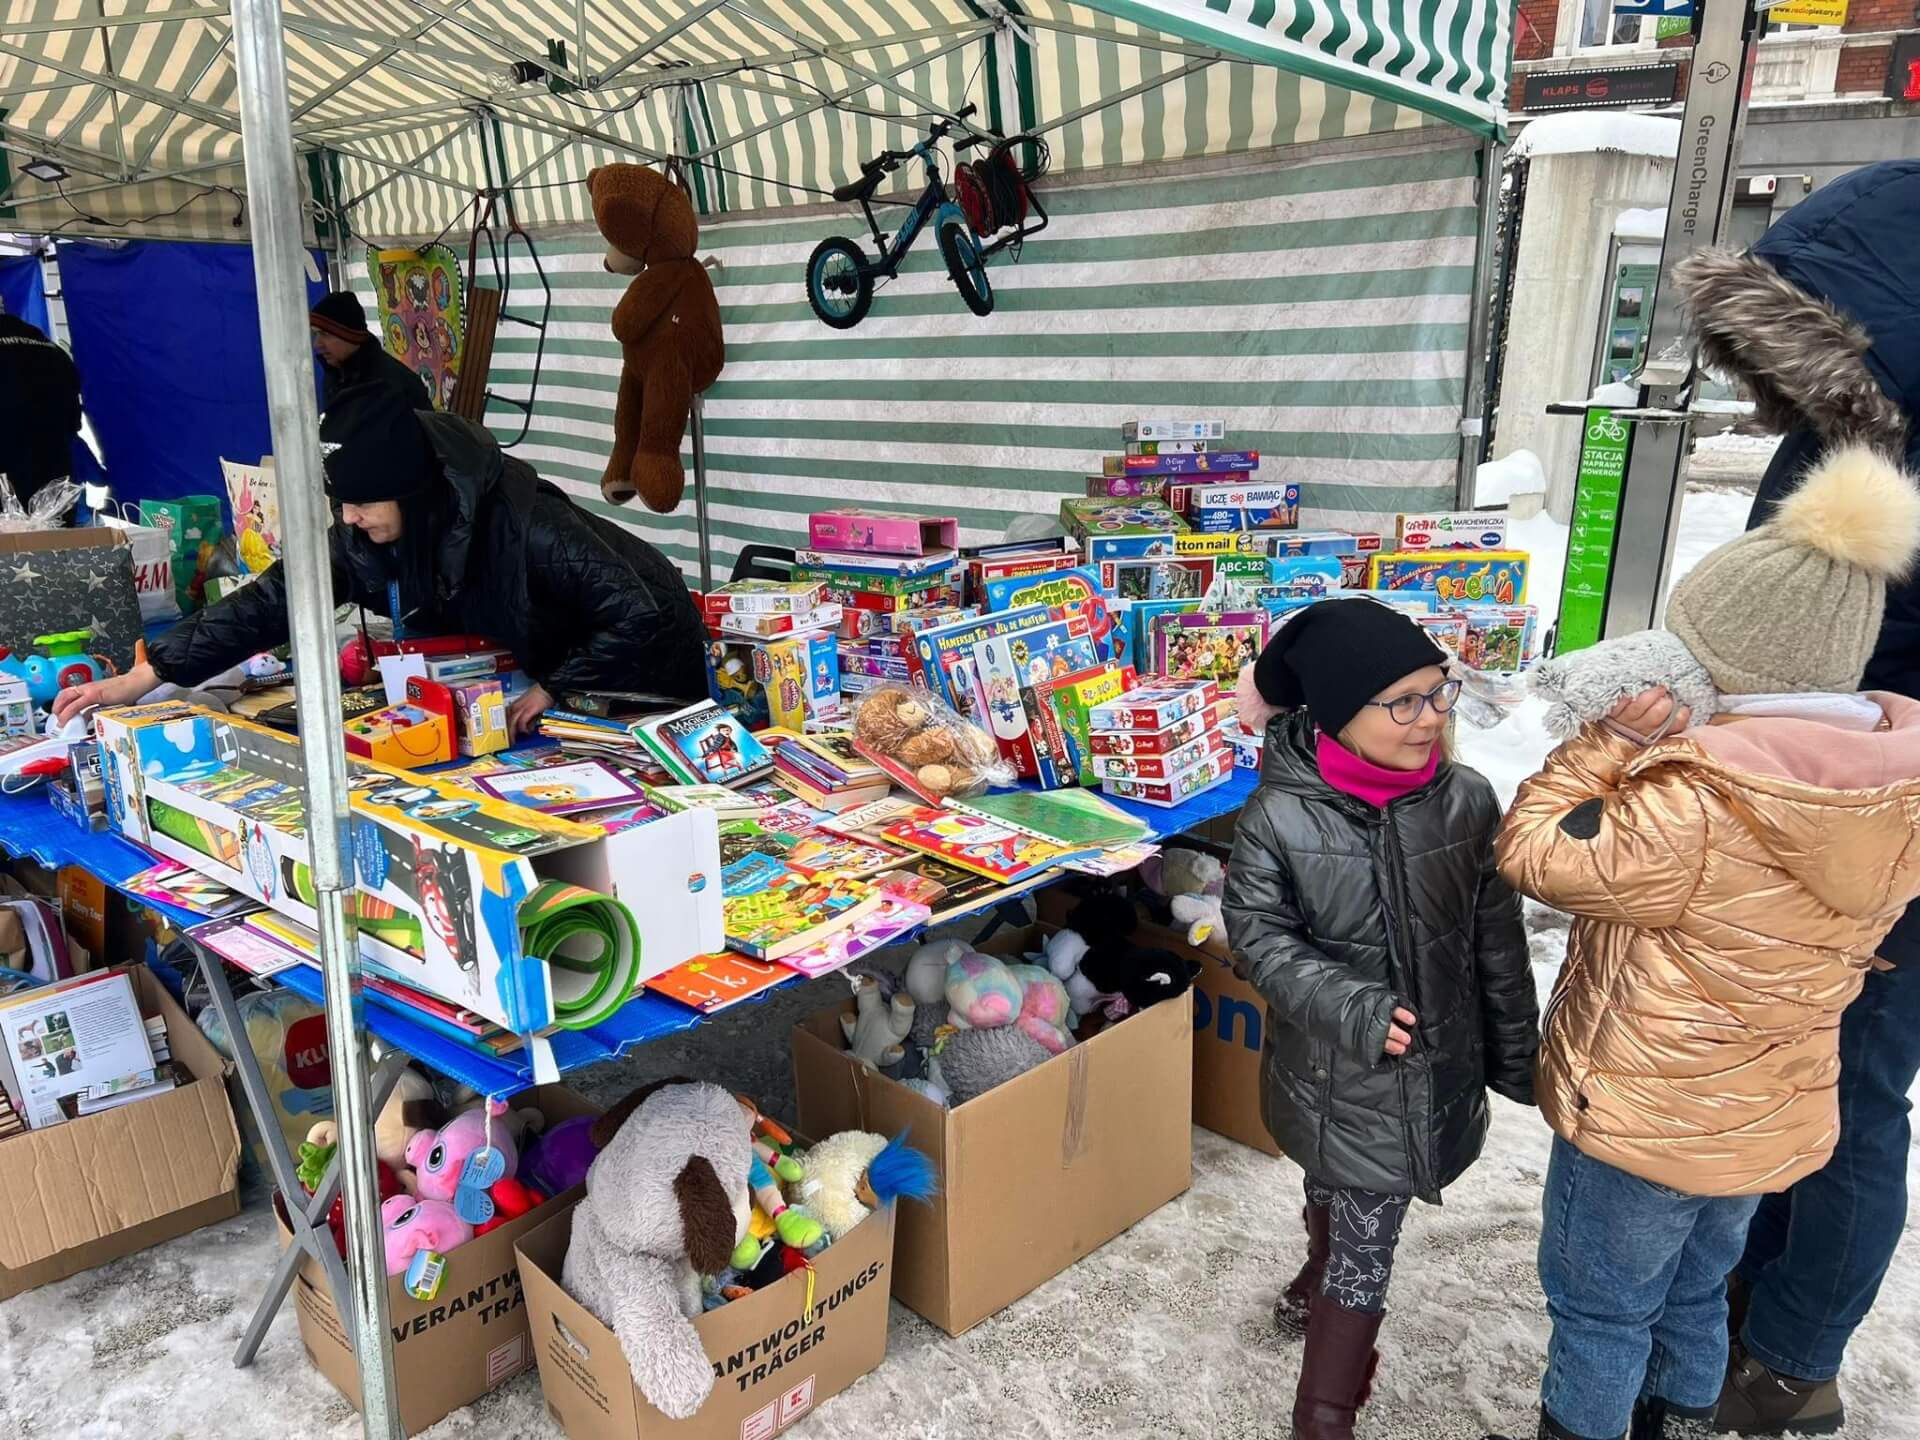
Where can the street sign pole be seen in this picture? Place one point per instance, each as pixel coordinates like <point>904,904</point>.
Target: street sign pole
<point>1703,182</point>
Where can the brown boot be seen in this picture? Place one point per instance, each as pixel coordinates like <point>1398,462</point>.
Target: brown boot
<point>1759,1401</point>
<point>1290,1310</point>
<point>1336,1372</point>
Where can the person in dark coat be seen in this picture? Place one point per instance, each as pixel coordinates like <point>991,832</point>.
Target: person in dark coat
<point>352,356</point>
<point>39,407</point>
<point>1820,324</point>
<point>1362,903</point>
<point>441,530</point>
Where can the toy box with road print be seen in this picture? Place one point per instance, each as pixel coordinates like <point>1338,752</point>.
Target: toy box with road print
<point>440,870</point>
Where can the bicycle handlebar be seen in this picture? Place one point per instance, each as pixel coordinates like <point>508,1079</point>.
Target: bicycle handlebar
<point>938,131</point>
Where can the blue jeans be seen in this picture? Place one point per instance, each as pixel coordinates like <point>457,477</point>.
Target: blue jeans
<point>1817,1253</point>
<point>1636,1282</point>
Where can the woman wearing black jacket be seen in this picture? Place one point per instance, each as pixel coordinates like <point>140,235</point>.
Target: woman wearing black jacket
<point>1362,904</point>
<point>440,530</point>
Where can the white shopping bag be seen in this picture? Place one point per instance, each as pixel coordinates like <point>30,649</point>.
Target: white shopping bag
<point>152,565</point>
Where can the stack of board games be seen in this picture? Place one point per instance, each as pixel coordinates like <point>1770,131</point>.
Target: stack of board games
<point>1013,560</point>
<point>883,599</point>
<point>1187,463</point>
<point>1161,744</point>
<point>772,652</point>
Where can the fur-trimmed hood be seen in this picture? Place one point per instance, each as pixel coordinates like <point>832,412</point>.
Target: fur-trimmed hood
<point>1821,320</point>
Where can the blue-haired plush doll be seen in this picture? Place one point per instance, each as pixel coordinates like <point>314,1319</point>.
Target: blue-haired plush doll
<point>851,1174</point>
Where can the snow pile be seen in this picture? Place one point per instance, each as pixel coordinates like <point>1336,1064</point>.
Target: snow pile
<point>1615,395</point>
<point>1641,224</point>
<point>1581,132</point>
<point>1498,481</point>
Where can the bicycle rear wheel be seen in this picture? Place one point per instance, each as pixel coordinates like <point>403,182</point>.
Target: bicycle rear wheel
<point>839,286</point>
<point>966,266</point>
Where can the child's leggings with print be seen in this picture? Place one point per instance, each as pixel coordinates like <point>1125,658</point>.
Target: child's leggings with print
<point>1364,1230</point>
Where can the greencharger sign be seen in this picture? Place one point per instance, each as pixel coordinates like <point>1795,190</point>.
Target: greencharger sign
<point>1596,525</point>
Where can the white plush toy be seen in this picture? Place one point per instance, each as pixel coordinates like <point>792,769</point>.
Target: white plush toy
<point>876,1030</point>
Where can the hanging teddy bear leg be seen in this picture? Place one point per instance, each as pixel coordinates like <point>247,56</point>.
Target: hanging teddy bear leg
<point>655,472</point>
<point>616,484</point>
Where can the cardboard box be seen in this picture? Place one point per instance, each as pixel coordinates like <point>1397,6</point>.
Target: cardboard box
<point>1454,530</point>
<point>1455,577</point>
<point>777,1355</point>
<point>871,530</point>
<point>1229,1024</point>
<point>103,1186</point>
<point>468,1340</point>
<point>1035,1174</point>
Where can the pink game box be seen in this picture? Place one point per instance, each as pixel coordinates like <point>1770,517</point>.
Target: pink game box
<point>882,534</point>
<point>1160,767</point>
<point>1154,707</point>
<point>1184,786</point>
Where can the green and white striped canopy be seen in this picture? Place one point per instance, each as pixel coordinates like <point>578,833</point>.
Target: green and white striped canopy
<point>410,107</point>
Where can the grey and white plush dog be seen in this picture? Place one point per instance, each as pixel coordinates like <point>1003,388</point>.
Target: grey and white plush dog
<point>666,1202</point>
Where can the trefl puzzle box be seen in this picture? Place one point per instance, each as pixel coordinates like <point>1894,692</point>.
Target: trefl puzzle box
<point>441,871</point>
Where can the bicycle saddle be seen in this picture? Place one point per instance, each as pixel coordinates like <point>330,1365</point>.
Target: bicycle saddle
<point>862,188</point>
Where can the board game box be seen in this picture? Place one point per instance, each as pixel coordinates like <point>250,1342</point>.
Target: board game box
<point>1116,518</point>
<point>1004,665</point>
<point>1154,706</point>
<point>849,529</point>
<point>1174,791</point>
<point>1179,428</point>
<point>1059,712</point>
<point>1204,462</point>
<point>1160,742</point>
<point>942,657</point>
<point>1208,644</point>
<point>1160,767</point>
<point>1456,577</point>
<point>1453,530</point>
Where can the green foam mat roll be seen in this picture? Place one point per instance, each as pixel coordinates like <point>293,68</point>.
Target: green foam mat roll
<point>591,946</point>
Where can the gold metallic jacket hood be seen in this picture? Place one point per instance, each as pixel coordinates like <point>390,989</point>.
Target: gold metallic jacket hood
<point>1729,886</point>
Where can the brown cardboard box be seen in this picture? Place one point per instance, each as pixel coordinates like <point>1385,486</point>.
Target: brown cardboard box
<point>1034,1175</point>
<point>1229,1019</point>
<point>77,1195</point>
<point>777,1355</point>
<point>451,1350</point>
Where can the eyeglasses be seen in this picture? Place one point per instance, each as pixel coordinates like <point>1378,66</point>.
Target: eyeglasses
<point>1405,709</point>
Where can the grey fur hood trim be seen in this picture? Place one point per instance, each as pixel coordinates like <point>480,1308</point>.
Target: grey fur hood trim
<point>1797,355</point>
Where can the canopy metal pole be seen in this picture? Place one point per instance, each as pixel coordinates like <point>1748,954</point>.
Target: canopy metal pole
<point>279,270</point>
<point>1473,410</point>
<point>700,492</point>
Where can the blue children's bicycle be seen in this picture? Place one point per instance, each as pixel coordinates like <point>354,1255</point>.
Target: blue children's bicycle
<point>988,197</point>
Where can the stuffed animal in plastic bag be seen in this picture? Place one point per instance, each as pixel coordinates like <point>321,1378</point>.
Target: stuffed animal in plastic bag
<point>877,1027</point>
<point>666,1203</point>
<point>411,1225</point>
<point>915,735</point>
<point>668,325</point>
<point>1192,883</point>
<point>852,1174</point>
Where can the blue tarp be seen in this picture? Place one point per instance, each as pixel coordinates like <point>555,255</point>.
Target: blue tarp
<point>23,291</point>
<point>167,338</point>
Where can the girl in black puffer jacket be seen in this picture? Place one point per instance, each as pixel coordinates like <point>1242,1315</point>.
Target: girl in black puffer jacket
<point>1362,903</point>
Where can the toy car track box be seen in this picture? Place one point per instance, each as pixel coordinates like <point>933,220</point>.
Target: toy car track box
<point>1154,707</point>
<point>1161,428</point>
<point>480,717</point>
<point>1092,519</point>
<point>849,529</point>
<point>1244,507</point>
<point>1456,577</point>
<point>777,1355</point>
<point>1455,530</point>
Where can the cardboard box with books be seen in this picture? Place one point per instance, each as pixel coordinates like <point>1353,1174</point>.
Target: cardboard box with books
<point>471,1337</point>
<point>778,1354</point>
<point>78,1193</point>
<point>1036,1173</point>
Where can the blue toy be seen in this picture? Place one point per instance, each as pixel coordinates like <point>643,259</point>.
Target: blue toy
<point>64,663</point>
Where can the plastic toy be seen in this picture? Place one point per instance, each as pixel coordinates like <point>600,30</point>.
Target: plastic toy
<point>416,1226</point>
<point>877,1027</point>
<point>850,1174</point>
<point>917,739</point>
<point>55,663</point>
<point>666,1203</point>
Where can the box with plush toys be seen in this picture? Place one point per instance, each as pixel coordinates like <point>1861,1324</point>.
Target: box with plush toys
<point>1057,1059</point>
<point>719,1278</point>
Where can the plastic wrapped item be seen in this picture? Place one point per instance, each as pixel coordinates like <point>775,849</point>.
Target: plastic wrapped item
<point>46,511</point>
<point>288,1036</point>
<point>1488,697</point>
<point>924,744</point>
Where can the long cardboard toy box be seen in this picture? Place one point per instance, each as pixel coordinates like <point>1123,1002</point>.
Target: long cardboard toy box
<point>441,871</point>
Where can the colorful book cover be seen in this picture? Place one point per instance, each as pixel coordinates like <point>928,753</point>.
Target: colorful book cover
<point>823,854</point>
<point>870,819</point>
<point>1142,616</point>
<point>704,745</point>
<point>741,838</point>
<point>942,657</point>
<point>171,883</point>
<point>1070,704</point>
<point>1071,819</point>
<point>710,983</point>
<point>1008,664</point>
<point>983,847</point>
<point>774,915</point>
<point>1208,645</point>
<point>560,789</point>
<point>892,921</point>
<point>1075,590</point>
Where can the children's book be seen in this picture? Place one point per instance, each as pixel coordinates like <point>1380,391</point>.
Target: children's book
<point>172,883</point>
<point>710,983</point>
<point>560,789</point>
<point>741,838</point>
<point>826,855</point>
<point>1071,819</point>
<point>773,912</point>
<point>868,820</point>
<point>1208,645</point>
<point>717,798</point>
<point>704,745</point>
<point>1007,664</point>
<point>893,921</point>
<point>984,847</point>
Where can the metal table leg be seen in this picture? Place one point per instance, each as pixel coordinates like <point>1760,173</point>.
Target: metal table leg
<point>307,1220</point>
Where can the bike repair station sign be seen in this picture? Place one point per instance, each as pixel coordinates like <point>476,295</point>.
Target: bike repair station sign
<point>1596,524</point>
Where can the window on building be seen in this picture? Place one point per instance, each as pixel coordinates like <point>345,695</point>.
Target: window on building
<point>1600,26</point>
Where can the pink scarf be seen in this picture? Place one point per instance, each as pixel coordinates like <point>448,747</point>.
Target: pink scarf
<point>1361,778</point>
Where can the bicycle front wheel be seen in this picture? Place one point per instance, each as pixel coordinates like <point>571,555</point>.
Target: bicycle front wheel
<point>966,266</point>
<point>839,286</point>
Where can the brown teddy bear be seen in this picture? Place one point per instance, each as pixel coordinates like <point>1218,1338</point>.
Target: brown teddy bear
<point>946,754</point>
<point>668,326</point>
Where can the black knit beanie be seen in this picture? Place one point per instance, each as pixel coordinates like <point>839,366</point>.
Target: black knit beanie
<point>374,447</point>
<point>340,313</point>
<point>1336,655</point>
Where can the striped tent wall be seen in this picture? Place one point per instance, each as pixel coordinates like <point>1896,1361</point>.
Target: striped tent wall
<point>1318,306</point>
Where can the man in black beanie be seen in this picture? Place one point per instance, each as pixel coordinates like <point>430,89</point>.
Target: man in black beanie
<point>446,534</point>
<point>352,356</point>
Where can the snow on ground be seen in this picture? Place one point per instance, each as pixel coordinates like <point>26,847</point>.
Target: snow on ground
<point>1579,132</point>
<point>1161,1335</point>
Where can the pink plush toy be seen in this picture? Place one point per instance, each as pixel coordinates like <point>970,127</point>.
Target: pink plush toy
<point>984,993</point>
<point>437,1157</point>
<point>412,1225</point>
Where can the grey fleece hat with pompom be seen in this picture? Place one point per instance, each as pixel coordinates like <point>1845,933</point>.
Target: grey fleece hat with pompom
<point>1796,604</point>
